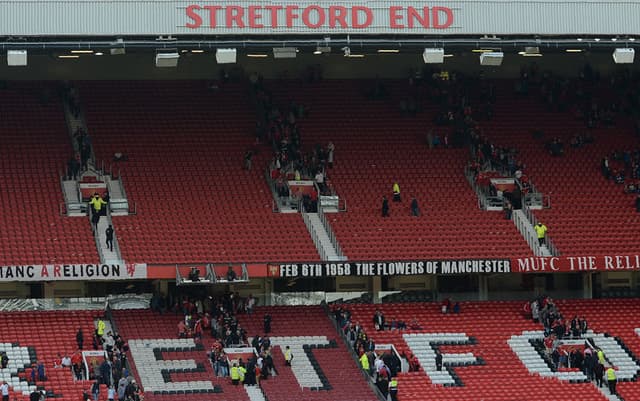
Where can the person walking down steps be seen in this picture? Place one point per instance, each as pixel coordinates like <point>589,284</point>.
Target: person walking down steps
<point>109,234</point>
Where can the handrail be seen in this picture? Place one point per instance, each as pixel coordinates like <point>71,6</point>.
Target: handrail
<point>96,236</point>
<point>330,232</point>
<point>62,208</point>
<point>116,245</point>
<point>354,357</point>
<point>549,242</point>
<point>314,235</point>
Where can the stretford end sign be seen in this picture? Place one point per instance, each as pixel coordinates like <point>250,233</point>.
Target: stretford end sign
<point>312,17</point>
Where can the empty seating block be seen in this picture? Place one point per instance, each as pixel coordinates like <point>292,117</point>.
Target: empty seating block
<point>376,146</point>
<point>588,215</point>
<point>185,147</point>
<point>35,149</point>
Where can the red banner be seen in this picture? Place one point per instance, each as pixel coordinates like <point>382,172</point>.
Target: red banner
<point>576,264</point>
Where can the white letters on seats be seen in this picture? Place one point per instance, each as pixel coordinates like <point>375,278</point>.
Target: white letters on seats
<point>18,358</point>
<point>150,369</point>
<point>421,346</point>
<point>301,365</point>
<point>626,367</point>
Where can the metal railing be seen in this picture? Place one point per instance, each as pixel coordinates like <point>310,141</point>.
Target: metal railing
<point>354,356</point>
<point>314,235</point>
<point>330,232</point>
<point>116,245</point>
<point>548,241</point>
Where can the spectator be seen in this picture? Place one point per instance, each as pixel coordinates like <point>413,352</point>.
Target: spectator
<point>438,361</point>
<point>612,380</point>
<point>4,388</point>
<point>73,168</point>
<point>66,362</point>
<point>96,204</point>
<point>456,308</point>
<point>111,394</point>
<point>109,235</point>
<point>80,338</point>
<point>541,231</point>
<point>231,274</point>
<point>378,320</point>
<point>396,192</point>
<point>385,207</point>
<point>598,371</point>
<point>507,208</point>
<point>415,209</point>
<point>95,390</point>
<point>267,323</point>
<point>330,149</point>
<point>288,356</point>
<point>247,160</point>
<point>41,373</point>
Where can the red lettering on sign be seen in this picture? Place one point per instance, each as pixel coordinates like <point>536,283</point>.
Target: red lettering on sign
<point>337,14</point>
<point>56,271</point>
<point>233,15</point>
<point>422,18</point>
<point>191,13</point>
<point>290,15</point>
<point>44,272</point>
<point>307,21</point>
<point>274,14</point>
<point>355,10</point>
<point>254,17</point>
<point>394,17</point>
<point>212,15</point>
<point>435,16</point>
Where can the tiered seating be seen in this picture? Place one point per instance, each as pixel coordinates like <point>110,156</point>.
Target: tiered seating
<point>501,377</point>
<point>28,337</point>
<point>616,317</point>
<point>344,382</point>
<point>588,214</point>
<point>185,146</point>
<point>376,146</point>
<point>35,148</point>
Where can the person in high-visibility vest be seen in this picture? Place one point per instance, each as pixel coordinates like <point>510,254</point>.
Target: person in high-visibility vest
<point>541,230</point>
<point>396,192</point>
<point>97,202</point>
<point>235,374</point>
<point>600,354</point>
<point>393,389</point>
<point>364,361</point>
<point>288,356</point>
<point>100,328</point>
<point>612,379</point>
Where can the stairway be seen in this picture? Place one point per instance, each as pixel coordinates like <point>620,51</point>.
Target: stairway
<point>107,256</point>
<point>327,249</point>
<point>525,226</point>
<point>254,393</point>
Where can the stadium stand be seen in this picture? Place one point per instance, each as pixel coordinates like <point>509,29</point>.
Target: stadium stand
<point>487,326</point>
<point>33,153</point>
<point>621,325</point>
<point>306,329</point>
<point>27,338</point>
<point>376,146</point>
<point>588,215</point>
<point>185,145</point>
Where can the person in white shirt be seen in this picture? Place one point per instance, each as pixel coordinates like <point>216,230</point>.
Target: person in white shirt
<point>4,388</point>
<point>111,394</point>
<point>66,361</point>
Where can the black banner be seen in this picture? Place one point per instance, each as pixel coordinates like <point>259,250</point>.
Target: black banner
<point>399,268</point>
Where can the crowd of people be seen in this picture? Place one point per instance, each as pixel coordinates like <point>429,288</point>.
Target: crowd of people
<point>587,358</point>
<point>382,367</point>
<point>623,168</point>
